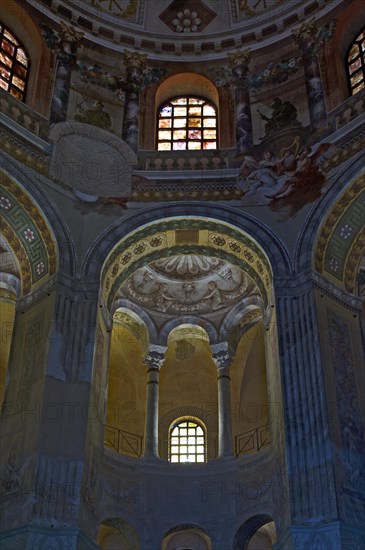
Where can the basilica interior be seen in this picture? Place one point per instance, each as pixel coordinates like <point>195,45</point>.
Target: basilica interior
<point>182,274</point>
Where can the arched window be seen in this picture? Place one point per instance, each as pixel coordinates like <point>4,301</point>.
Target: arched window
<point>187,123</point>
<point>356,64</point>
<point>187,441</point>
<point>14,64</point>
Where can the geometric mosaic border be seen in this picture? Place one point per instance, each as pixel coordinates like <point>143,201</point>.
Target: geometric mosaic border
<point>339,233</point>
<point>27,233</point>
<point>158,240</point>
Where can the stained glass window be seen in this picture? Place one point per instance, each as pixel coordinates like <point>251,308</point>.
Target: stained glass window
<point>356,64</point>
<point>187,123</point>
<point>187,441</point>
<point>14,64</point>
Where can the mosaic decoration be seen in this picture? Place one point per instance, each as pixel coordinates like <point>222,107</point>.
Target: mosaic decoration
<point>341,232</point>
<point>217,240</point>
<point>27,234</point>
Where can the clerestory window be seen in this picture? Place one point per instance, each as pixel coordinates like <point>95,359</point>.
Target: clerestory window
<point>187,441</point>
<point>356,64</point>
<point>187,123</point>
<point>14,64</point>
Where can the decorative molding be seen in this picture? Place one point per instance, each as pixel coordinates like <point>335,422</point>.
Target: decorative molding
<point>340,235</point>
<point>217,240</point>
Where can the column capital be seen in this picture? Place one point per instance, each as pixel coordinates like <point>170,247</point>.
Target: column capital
<point>310,38</point>
<point>155,356</point>
<point>241,57</point>
<point>221,355</point>
<point>64,42</point>
<point>9,286</point>
<point>135,59</point>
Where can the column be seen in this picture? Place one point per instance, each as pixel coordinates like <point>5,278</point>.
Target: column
<point>154,360</point>
<point>50,418</point>
<point>311,491</point>
<point>135,63</point>
<point>65,45</point>
<point>223,360</point>
<point>9,287</point>
<point>239,64</point>
<point>307,39</point>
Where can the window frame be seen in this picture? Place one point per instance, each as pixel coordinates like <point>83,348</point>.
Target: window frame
<point>16,44</point>
<point>187,140</point>
<point>176,423</point>
<point>357,41</point>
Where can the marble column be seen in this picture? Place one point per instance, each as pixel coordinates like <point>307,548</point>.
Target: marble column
<point>307,39</point>
<point>222,359</point>
<point>154,360</point>
<point>65,45</point>
<point>239,64</point>
<point>135,63</point>
<point>9,288</point>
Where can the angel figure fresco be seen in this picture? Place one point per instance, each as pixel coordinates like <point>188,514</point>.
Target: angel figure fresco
<point>296,175</point>
<point>307,172</point>
<point>268,171</point>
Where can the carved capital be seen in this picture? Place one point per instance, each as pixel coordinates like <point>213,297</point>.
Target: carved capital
<point>69,35</point>
<point>307,31</point>
<point>235,59</point>
<point>155,356</point>
<point>221,355</point>
<point>135,59</point>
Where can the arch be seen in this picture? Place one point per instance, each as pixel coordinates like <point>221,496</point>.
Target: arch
<point>186,83</point>
<point>117,534</point>
<point>187,330</point>
<point>186,536</point>
<point>29,235</point>
<point>134,324</point>
<point>305,250</point>
<point>141,313</point>
<point>340,238</point>
<point>256,231</point>
<point>248,529</point>
<point>172,324</point>
<point>59,233</point>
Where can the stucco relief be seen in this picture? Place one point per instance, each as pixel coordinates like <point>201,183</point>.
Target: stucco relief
<point>188,284</point>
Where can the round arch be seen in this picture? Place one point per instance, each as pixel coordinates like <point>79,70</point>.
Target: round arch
<point>260,235</point>
<point>350,178</point>
<point>247,529</point>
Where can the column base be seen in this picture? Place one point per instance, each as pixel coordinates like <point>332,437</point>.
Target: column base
<point>41,538</point>
<point>334,536</point>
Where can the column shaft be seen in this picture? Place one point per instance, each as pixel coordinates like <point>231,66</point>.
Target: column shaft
<point>151,429</point>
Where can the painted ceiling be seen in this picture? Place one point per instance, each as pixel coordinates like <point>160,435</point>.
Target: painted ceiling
<point>189,284</point>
